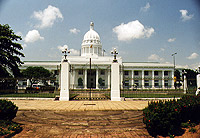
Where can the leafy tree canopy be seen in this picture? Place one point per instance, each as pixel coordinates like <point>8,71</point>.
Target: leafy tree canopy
<point>177,74</point>
<point>191,74</point>
<point>191,77</point>
<point>36,73</point>
<point>9,52</point>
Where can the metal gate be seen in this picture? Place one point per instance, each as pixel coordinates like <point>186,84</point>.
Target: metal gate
<point>88,94</point>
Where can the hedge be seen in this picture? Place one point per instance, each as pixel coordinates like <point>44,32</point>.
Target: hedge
<point>165,117</point>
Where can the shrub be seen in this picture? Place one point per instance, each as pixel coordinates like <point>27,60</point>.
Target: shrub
<point>193,130</point>
<point>8,110</point>
<point>185,125</point>
<point>9,128</point>
<point>165,117</point>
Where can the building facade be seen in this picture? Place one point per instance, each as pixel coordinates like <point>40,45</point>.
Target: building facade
<point>93,70</point>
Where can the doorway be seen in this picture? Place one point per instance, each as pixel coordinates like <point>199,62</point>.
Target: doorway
<point>91,78</point>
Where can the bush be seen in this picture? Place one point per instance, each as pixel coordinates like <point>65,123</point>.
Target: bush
<point>165,117</point>
<point>193,130</point>
<point>8,110</point>
<point>185,125</point>
<point>9,128</point>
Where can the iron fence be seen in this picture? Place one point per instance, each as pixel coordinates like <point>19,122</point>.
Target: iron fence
<point>20,87</point>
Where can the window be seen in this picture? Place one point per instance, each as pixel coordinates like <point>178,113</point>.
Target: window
<point>146,83</point>
<point>146,73</point>
<point>166,83</point>
<point>136,82</point>
<point>156,73</point>
<point>80,72</point>
<point>136,73</point>
<point>102,72</point>
<point>126,83</point>
<point>166,73</point>
<point>80,82</point>
<point>125,72</point>
<point>156,83</point>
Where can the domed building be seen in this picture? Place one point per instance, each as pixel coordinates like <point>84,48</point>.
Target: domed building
<point>93,70</point>
<point>91,51</point>
<point>91,44</point>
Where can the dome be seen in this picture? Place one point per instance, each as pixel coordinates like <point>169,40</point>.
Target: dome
<point>91,35</point>
<point>91,45</point>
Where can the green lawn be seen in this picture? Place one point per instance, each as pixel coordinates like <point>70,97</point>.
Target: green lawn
<point>40,95</point>
<point>34,95</point>
<point>152,95</point>
<point>126,95</point>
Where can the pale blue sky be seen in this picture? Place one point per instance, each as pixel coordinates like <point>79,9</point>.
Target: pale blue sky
<point>169,26</point>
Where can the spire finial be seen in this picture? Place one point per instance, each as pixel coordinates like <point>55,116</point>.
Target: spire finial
<point>92,25</point>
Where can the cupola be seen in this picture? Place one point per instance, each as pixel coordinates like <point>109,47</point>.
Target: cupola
<point>91,44</point>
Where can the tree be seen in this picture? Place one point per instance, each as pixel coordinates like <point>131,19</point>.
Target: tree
<point>9,52</point>
<point>177,76</point>
<point>191,77</point>
<point>36,73</point>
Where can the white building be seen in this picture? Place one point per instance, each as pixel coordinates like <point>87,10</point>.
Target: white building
<point>144,75</point>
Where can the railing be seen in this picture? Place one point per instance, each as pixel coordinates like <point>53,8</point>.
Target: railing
<point>18,88</point>
<point>11,87</point>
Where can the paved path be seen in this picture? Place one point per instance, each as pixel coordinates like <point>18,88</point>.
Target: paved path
<point>79,105</point>
<point>81,124</point>
<point>86,119</point>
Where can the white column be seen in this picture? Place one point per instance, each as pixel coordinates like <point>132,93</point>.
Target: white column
<point>153,82</point>
<point>28,83</point>
<point>121,83</point>
<point>198,84</point>
<point>49,82</point>
<point>163,80</point>
<point>172,83</point>
<point>185,84</point>
<point>132,76</point>
<point>73,76</point>
<point>64,90</point>
<point>115,82</point>
<point>108,79</point>
<point>142,79</point>
<point>97,78</point>
<point>85,79</point>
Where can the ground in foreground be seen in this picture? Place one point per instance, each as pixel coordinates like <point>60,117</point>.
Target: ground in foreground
<point>45,124</point>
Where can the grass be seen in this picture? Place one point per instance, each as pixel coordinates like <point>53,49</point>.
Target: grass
<point>151,95</point>
<point>33,95</point>
<point>126,94</point>
<point>41,95</point>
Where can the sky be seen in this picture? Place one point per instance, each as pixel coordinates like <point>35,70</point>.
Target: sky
<point>141,30</point>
